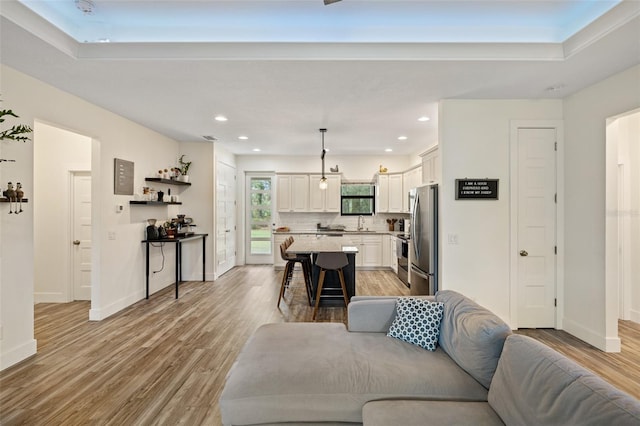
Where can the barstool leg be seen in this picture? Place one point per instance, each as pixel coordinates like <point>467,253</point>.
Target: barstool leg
<point>285,279</point>
<point>344,287</point>
<point>318,293</point>
<point>306,270</point>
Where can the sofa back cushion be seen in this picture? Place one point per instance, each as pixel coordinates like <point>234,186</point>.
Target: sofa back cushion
<point>471,335</point>
<point>535,385</point>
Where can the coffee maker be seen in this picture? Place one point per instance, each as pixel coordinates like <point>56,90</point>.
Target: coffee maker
<point>152,231</point>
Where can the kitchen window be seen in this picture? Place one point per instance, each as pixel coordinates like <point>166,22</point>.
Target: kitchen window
<point>358,198</point>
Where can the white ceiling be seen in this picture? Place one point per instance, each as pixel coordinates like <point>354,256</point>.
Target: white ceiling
<point>280,70</point>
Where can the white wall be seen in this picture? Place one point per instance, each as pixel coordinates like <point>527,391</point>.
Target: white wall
<point>633,137</point>
<point>16,240</point>
<point>118,274</point>
<point>591,303</point>
<point>474,142</point>
<point>57,153</point>
<point>197,203</point>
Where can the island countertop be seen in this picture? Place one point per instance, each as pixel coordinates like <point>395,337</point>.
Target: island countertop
<point>322,244</point>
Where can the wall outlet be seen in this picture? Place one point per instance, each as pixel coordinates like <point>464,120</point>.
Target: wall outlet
<point>452,238</point>
<point>111,235</point>
<point>119,208</point>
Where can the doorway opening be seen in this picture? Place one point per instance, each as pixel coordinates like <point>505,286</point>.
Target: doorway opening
<point>623,217</point>
<point>59,155</point>
<point>259,218</point>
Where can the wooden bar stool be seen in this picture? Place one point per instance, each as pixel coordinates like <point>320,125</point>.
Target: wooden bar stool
<point>331,262</point>
<point>305,262</point>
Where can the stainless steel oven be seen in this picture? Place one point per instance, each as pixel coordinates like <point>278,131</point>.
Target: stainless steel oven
<point>402,248</point>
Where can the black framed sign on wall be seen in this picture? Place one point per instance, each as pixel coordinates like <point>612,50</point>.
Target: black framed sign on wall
<point>122,177</point>
<point>477,189</point>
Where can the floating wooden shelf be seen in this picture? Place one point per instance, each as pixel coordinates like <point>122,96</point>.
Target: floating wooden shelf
<point>167,181</point>
<point>154,203</point>
<point>6,200</point>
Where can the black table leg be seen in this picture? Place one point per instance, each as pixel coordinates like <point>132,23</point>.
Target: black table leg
<point>177,266</point>
<point>147,270</point>
<point>204,239</point>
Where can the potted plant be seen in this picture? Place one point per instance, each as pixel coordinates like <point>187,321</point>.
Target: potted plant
<point>183,170</point>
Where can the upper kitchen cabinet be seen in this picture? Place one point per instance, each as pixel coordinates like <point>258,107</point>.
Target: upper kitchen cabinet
<point>431,166</point>
<point>412,178</point>
<point>324,200</point>
<point>293,193</point>
<point>389,195</point>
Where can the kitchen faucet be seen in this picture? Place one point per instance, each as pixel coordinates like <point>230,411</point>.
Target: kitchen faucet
<point>360,223</point>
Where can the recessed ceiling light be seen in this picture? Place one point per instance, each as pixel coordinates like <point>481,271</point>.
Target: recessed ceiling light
<point>424,118</point>
<point>221,118</point>
<point>402,138</point>
<point>256,150</point>
<point>244,138</point>
<point>388,150</point>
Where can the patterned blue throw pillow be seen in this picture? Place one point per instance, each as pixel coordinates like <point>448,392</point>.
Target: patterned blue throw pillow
<point>417,322</point>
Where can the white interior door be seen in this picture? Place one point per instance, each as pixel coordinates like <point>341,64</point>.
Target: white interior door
<point>225,217</point>
<point>536,239</point>
<point>81,230</point>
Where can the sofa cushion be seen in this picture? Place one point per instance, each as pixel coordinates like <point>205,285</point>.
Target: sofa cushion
<point>536,385</point>
<point>427,413</point>
<point>471,335</point>
<point>315,372</point>
<point>417,322</point>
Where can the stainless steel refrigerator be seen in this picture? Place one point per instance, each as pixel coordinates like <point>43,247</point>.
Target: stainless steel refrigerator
<point>424,240</point>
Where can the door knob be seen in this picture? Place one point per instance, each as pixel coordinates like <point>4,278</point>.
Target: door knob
<point>76,242</point>
<point>524,253</point>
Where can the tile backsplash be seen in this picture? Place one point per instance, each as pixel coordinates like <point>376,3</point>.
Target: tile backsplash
<point>309,221</point>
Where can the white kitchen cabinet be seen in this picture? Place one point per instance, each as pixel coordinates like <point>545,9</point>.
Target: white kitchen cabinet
<point>386,251</point>
<point>431,166</point>
<point>394,253</point>
<point>324,200</point>
<point>389,193</point>
<point>293,193</point>
<point>410,179</point>
<point>369,250</point>
<point>382,194</point>
<point>396,193</point>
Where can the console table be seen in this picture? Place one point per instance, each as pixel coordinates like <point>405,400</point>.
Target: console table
<point>178,242</point>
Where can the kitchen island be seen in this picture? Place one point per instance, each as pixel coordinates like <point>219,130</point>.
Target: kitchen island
<point>331,292</point>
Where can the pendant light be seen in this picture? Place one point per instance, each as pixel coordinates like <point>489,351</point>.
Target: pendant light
<point>323,179</point>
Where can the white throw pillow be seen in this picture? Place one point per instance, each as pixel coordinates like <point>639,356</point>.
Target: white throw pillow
<point>417,322</point>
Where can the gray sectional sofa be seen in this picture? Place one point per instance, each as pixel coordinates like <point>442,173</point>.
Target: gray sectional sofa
<point>481,374</point>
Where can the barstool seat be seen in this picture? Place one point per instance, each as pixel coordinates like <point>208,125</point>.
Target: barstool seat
<point>333,261</point>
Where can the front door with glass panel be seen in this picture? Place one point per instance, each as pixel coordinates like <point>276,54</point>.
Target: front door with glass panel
<point>259,220</point>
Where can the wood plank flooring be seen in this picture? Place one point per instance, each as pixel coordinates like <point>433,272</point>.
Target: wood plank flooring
<point>164,361</point>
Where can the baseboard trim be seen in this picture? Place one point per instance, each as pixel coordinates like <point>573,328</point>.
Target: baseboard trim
<point>106,311</point>
<point>604,343</point>
<point>17,354</point>
<point>43,297</point>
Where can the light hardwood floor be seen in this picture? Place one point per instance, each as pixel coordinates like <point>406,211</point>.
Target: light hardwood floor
<point>164,361</point>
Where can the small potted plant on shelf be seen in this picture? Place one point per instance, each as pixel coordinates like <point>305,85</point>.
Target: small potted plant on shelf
<point>183,170</point>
